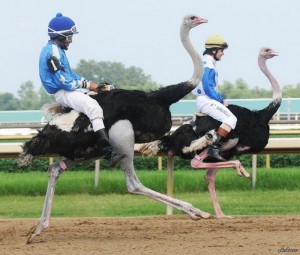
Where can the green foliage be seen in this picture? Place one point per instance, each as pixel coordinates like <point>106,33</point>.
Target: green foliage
<point>116,73</point>
<point>113,181</point>
<point>277,160</point>
<point>128,78</point>
<point>151,163</point>
<point>240,90</point>
<point>28,98</point>
<point>8,102</point>
<point>10,165</point>
<point>291,91</point>
<point>44,97</point>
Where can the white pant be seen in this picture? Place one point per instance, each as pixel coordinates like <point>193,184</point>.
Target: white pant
<point>81,102</point>
<point>216,110</point>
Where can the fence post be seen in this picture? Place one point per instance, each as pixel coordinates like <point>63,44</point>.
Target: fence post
<point>254,170</point>
<point>97,172</point>
<point>159,163</point>
<point>268,161</point>
<point>170,183</point>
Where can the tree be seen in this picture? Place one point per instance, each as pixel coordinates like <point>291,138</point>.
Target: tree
<point>240,90</point>
<point>117,74</point>
<point>8,102</point>
<point>44,97</point>
<point>290,91</point>
<point>28,98</point>
<point>128,78</point>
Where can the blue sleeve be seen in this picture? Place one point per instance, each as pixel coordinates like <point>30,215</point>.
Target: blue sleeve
<point>66,81</point>
<point>210,86</point>
<point>66,78</point>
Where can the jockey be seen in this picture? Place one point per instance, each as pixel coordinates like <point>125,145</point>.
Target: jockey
<point>209,100</point>
<point>68,87</point>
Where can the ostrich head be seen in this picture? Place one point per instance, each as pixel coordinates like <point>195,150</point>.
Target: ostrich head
<point>190,21</point>
<point>267,53</point>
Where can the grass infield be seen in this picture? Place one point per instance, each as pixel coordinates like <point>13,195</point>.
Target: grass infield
<point>253,202</point>
<point>22,194</point>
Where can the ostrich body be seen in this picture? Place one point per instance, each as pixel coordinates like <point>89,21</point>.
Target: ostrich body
<point>250,136</point>
<point>130,117</point>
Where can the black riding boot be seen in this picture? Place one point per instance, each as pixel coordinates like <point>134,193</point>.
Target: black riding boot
<point>214,149</point>
<point>110,155</point>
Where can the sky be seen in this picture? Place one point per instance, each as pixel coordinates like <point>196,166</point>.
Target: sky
<point>145,34</point>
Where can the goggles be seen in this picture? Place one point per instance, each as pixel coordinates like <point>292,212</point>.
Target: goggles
<point>68,34</point>
<point>214,45</point>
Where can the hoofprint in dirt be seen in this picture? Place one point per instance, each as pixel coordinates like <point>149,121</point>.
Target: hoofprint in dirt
<point>155,235</point>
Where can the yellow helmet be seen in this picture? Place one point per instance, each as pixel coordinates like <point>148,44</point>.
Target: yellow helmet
<point>216,41</point>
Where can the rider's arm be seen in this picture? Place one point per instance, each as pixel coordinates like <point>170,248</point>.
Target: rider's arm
<point>210,85</point>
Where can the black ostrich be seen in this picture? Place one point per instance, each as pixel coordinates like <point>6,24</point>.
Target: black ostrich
<point>130,117</point>
<point>251,135</point>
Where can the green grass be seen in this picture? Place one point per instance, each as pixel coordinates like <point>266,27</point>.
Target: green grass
<point>253,202</point>
<point>82,182</point>
<point>22,194</point>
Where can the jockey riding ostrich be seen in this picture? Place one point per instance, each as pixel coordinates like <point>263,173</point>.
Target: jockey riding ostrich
<point>250,135</point>
<point>130,117</point>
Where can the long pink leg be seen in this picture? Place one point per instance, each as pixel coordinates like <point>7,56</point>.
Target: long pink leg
<point>210,179</point>
<point>197,162</point>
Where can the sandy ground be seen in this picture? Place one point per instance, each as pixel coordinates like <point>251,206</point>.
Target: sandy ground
<point>155,235</point>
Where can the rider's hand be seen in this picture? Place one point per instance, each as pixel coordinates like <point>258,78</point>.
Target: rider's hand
<point>100,87</point>
<point>93,86</point>
<point>105,87</point>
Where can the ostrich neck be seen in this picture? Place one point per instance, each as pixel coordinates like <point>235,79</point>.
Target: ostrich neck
<point>277,94</point>
<point>197,61</point>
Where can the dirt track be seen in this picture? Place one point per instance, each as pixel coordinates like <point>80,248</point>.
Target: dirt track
<point>155,235</point>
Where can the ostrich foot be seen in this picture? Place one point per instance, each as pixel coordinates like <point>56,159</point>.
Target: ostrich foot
<point>197,214</point>
<point>134,186</point>
<point>34,231</point>
<point>223,216</point>
<point>241,171</point>
<point>197,162</point>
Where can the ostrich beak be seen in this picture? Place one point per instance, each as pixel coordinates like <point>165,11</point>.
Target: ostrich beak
<point>274,53</point>
<point>200,20</point>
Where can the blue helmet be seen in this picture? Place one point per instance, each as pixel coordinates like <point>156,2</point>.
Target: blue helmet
<point>61,25</point>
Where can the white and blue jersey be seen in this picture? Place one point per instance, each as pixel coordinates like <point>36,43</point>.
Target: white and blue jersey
<point>209,84</point>
<point>64,78</point>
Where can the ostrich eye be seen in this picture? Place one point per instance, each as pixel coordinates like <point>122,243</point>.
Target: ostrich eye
<point>193,17</point>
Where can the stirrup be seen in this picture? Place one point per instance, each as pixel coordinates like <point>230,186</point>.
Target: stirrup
<point>214,152</point>
<point>113,158</point>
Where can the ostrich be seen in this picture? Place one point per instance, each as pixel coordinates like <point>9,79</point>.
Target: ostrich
<point>130,117</point>
<point>250,136</point>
